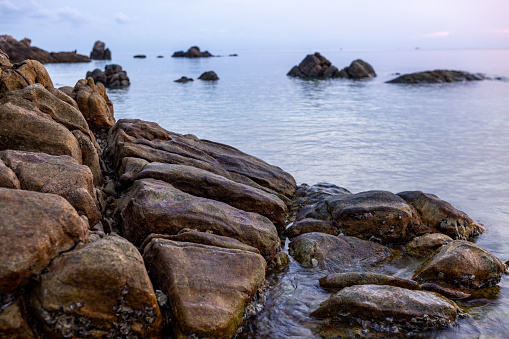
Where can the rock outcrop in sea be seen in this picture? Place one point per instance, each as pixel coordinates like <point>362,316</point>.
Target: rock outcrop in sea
<point>22,50</point>
<point>124,229</point>
<point>193,52</point>
<point>436,77</point>
<point>99,52</point>
<point>113,76</point>
<point>315,66</point>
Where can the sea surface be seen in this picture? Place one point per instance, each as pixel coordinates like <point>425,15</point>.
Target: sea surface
<point>451,140</point>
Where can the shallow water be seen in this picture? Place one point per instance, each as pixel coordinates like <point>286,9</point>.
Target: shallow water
<point>450,140</point>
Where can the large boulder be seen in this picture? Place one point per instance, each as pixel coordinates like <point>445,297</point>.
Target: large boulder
<point>99,52</point>
<point>193,52</point>
<point>34,229</point>
<point>337,254</point>
<point>441,216</point>
<point>206,184</point>
<point>94,104</point>
<point>113,76</point>
<point>23,74</point>
<point>461,264</point>
<point>373,215</point>
<point>358,69</point>
<point>153,206</point>
<point>209,76</point>
<point>436,76</point>
<point>99,290</point>
<point>60,175</point>
<point>383,307</point>
<point>22,50</point>
<point>207,287</point>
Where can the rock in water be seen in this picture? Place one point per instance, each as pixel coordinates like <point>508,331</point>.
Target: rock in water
<point>437,76</point>
<point>342,280</point>
<point>193,52</point>
<point>99,52</point>
<point>113,76</point>
<point>209,76</point>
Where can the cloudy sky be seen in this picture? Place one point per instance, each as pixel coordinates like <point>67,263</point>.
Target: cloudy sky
<point>234,25</point>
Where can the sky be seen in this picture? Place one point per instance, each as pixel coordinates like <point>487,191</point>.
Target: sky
<point>236,25</point>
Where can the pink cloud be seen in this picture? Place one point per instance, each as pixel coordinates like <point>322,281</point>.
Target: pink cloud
<point>437,34</point>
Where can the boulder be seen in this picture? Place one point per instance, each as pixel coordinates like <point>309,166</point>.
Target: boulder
<point>315,66</point>
<point>309,225</point>
<point>136,138</point>
<point>23,74</point>
<point>441,216</point>
<point>13,319</point>
<point>342,280</point>
<point>153,206</point>
<point>383,307</point>
<point>193,52</point>
<point>337,254</point>
<point>60,175</point>
<point>99,290</point>
<point>94,104</point>
<point>436,76</point>
<point>461,264</point>
<point>5,62</point>
<point>130,168</point>
<point>207,287</point>
<point>34,229</point>
<point>209,76</point>
<point>90,154</point>
<point>380,216</point>
<point>208,185</point>
<point>113,76</point>
<point>183,79</point>
<point>309,195</point>
<point>99,52</point>
<point>22,50</point>
<point>8,178</point>
<point>427,244</point>
<point>358,69</point>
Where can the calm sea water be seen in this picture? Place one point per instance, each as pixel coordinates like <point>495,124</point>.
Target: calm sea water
<point>451,140</point>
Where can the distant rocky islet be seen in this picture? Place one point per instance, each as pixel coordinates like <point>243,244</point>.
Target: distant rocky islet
<point>124,208</point>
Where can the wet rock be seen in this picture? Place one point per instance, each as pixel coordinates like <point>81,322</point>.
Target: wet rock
<point>183,80</point>
<point>337,254</point>
<point>22,50</point>
<point>308,195</point>
<point>461,264</point>
<point>427,244</point>
<point>113,76</point>
<point>342,280</point>
<point>94,104</point>
<point>34,229</point>
<point>208,185</point>
<point>101,289</point>
<point>209,76</point>
<point>136,138</point>
<point>374,215</point>
<point>437,76</point>
<point>99,52</point>
<point>317,66</point>
<point>13,320</point>
<point>153,206</point>
<point>309,225</point>
<point>8,178</point>
<point>441,216</point>
<point>449,293</point>
<point>60,175</point>
<point>382,307</point>
<point>207,287</point>
<point>193,52</point>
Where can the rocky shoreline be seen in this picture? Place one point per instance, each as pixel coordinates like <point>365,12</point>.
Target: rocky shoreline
<point>122,229</point>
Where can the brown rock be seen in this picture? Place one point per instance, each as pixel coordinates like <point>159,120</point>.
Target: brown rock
<point>129,168</point>
<point>34,229</point>
<point>461,264</point>
<point>4,61</point>
<point>309,225</point>
<point>207,287</point>
<point>94,104</point>
<point>23,74</point>
<point>449,293</point>
<point>90,154</point>
<point>7,177</point>
<point>442,216</point>
<point>13,320</point>
<point>342,280</point>
<point>153,206</point>
<point>426,244</point>
<point>208,185</point>
<point>337,254</point>
<point>60,175</point>
<point>98,290</point>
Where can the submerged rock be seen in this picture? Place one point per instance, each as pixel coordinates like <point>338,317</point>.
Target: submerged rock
<point>342,280</point>
<point>193,52</point>
<point>99,52</point>
<point>183,80</point>
<point>461,264</point>
<point>383,307</point>
<point>437,76</point>
<point>427,244</point>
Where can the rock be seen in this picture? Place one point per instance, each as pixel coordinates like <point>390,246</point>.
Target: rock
<point>426,244</point>
<point>207,287</point>
<point>383,307</point>
<point>8,178</point>
<point>436,76</point>
<point>461,264</point>
<point>21,50</point>
<point>160,56</point>
<point>13,320</point>
<point>308,195</point>
<point>22,129</point>
<point>446,292</point>
<point>208,185</point>
<point>22,75</point>
<point>441,216</point>
<point>140,56</point>
<point>113,76</point>
<point>129,168</point>
<point>373,215</point>
<point>99,53</point>
<point>193,52</point>
<point>337,254</point>
<point>342,280</point>
<point>34,229</point>
<point>101,289</point>
<point>153,206</point>
<point>359,69</point>
<point>90,155</point>
<point>183,79</point>
<point>136,138</point>
<point>5,62</point>
<point>94,104</point>
<point>209,76</point>
<point>60,175</point>
<point>309,225</point>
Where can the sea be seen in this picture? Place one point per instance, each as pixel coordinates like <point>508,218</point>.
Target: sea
<point>450,139</point>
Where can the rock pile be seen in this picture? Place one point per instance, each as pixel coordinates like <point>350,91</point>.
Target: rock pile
<point>193,52</point>
<point>99,52</point>
<point>113,76</point>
